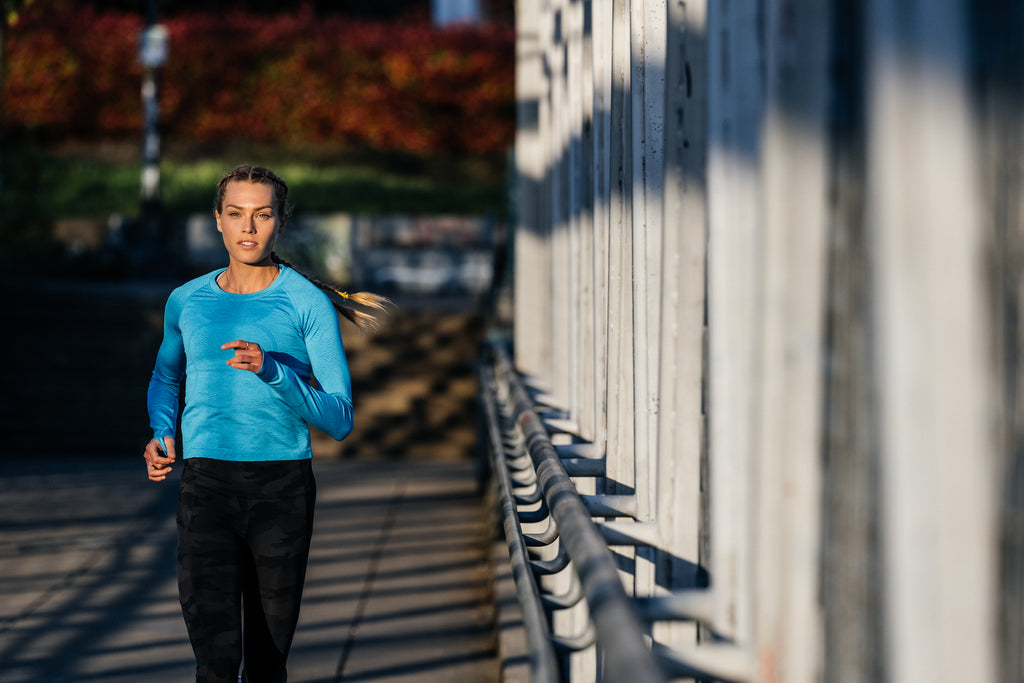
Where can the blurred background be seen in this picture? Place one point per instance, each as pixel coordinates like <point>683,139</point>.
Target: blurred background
<point>392,123</point>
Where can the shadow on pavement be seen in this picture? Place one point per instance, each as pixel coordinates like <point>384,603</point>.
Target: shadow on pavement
<point>398,588</point>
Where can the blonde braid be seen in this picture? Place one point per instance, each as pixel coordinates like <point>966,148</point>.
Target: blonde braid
<point>350,305</point>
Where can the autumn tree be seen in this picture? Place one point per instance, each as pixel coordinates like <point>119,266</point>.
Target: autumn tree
<point>11,11</point>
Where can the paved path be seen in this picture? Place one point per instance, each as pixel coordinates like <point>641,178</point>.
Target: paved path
<point>399,585</point>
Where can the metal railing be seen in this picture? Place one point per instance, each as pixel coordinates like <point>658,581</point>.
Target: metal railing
<point>530,474</point>
<point>535,487</point>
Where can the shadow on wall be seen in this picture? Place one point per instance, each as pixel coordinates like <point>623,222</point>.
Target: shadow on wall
<point>414,386</point>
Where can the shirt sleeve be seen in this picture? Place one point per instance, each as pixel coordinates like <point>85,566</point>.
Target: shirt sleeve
<point>165,384</point>
<point>328,406</point>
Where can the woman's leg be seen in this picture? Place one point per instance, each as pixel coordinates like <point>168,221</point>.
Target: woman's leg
<point>278,538</point>
<point>210,556</point>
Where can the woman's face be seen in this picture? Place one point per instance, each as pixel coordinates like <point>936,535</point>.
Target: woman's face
<point>249,222</point>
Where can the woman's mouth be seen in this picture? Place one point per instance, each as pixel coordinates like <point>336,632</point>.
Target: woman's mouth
<point>247,244</point>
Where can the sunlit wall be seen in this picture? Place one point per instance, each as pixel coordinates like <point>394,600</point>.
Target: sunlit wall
<point>768,260</point>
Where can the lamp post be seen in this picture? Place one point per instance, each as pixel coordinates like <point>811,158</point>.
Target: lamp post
<point>152,55</point>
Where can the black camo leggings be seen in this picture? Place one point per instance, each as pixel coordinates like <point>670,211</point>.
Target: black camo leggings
<point>243,544</point>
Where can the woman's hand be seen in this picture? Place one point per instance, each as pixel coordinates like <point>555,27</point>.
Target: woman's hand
<point>158,462</point>
<point>248,355</point>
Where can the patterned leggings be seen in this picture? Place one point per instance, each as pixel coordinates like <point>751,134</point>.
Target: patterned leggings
<point>243,543</point>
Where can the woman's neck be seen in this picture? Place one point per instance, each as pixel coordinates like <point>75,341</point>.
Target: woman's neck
<point>243,279</point>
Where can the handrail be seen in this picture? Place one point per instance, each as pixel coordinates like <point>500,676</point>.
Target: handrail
<point>615,621</point>
<point>543,663</point>
<point>535,485</point>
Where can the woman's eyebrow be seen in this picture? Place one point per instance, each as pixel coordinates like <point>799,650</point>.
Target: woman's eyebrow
<point>258,208</point>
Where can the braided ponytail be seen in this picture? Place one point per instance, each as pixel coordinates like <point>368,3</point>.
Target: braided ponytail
<point>365,309</point>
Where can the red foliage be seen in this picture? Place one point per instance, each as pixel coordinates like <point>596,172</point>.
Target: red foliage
<point>292,78</point>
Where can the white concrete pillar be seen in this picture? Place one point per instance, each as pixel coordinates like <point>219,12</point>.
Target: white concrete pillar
<point>935,389</point>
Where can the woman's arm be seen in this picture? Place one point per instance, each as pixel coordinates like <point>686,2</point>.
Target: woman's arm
<point>162,398</point>
<point>165,383</point>
<point>327,406</point>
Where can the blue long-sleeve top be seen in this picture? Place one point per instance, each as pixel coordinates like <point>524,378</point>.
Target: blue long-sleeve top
<point>233,414</point>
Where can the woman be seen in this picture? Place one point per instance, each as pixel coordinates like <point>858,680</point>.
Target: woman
<point>250,338</point>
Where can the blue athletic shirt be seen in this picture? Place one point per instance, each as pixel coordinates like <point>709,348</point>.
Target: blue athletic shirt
<point>238,415</point>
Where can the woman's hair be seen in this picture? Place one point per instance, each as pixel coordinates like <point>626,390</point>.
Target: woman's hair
<point>365,309</point>
<point>255,174</point>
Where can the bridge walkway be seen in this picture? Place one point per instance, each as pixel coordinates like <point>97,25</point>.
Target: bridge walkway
<point>399,585</point>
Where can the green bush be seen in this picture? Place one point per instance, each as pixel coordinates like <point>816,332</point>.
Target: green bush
<point>39,186</point>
